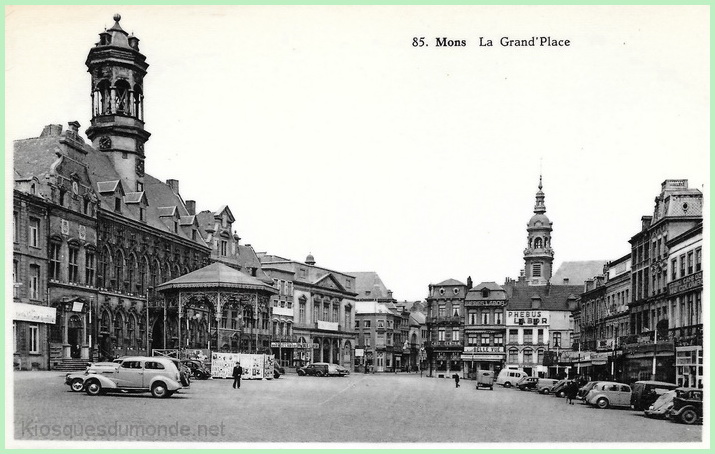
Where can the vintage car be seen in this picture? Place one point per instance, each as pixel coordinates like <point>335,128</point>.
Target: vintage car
<point>646,392</point>
<point>157,375</point>
<point>583,391</point>
<point>336,369</point>
<point>607,394</point>
<point>197,369</point>
<point>278,370</point>
<point>527,383</point>
<point>317,369</point>
<point>661,407</point>
<point>687,406</point>
<point>485,378</point>
<point>75,380</point>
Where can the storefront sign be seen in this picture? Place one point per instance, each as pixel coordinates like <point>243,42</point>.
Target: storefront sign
<point>359,352</point>
<point>599,359</point>
<point>486,303</point>
<point>292,345</point>
<point>33,313</point>
<point>482,357</point>
<point>686,283</point>
<point>527,318</point>
<point>483,349</point>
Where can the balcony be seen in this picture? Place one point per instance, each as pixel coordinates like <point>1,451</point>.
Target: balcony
<point>445,320</point>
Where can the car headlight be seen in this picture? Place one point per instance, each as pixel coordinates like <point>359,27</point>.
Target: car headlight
<point>650,408</point>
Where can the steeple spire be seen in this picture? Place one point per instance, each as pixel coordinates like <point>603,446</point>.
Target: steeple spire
<point>540,207</point>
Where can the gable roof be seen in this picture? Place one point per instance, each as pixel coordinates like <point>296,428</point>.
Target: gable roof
<point>577,272</point>
<point>329,281</point>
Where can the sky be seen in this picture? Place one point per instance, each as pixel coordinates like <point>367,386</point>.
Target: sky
<point>327,132</point>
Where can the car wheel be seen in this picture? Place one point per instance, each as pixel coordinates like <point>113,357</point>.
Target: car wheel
<point>689,416</point>
<point>545,391</point>
<point>507,384</point>
<point>93,388</point>
<point>276,375</point>
<point>77,385</point>
<point>158,389</point>
<point>319,374</point>
<point>301,373</point>
<point>560,394</point>
<point>602,402</point>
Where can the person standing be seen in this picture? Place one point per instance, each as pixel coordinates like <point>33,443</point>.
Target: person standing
<point>456,380</point>
<point>571,392</point>
<point>237,372</point>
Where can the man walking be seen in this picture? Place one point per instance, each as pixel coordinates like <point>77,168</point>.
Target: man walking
<point>237,372</point>
<point>456,380</point>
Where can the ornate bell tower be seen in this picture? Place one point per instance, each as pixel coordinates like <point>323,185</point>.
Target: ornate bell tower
<point>538,255</point>
<point>117,127</point>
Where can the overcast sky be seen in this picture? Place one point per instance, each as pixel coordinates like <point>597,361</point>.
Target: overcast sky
<point>327,132</point>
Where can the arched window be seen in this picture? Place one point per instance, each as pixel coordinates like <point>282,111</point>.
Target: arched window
<point>540,356</point>
<point>105,260</point>
<point>102,103</point>
<point>119,265</point>
<point>513,355</point>
<point>538,243</point>
<point>131,327</point>
<point>138,102</point>
<point>119,329</point>
<point>132,271</point>
<point>105,324</point>
<point>121,97</point>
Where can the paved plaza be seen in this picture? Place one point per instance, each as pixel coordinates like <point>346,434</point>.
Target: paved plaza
<point>387,408</point>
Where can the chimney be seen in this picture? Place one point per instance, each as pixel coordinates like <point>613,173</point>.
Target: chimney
<point>51,130</point>
<point>645,222</point>
<point>389,294</point>
<point>174,185</point>
<point>74,126</point>
<point>191,206</point>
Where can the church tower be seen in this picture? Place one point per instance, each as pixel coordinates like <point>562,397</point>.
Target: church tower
<point>117,127</point>
<point>538,255</point>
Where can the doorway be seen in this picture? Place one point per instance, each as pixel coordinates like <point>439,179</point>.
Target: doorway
<point>74,336</point>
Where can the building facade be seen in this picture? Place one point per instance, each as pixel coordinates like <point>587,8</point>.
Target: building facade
<point>484,329</point>
<point>323,312</point>
<point>108,232</point>
<point>445,326</point>
<point>677,210</point>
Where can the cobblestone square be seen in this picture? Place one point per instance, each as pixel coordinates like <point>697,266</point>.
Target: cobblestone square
<point>380,408</point>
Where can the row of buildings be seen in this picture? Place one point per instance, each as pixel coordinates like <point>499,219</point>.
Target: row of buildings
<point>110,261</point>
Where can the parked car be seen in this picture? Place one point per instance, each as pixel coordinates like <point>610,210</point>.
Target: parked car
<point>509,377</point>
<point>339,370</point>
<point>583,391</point>
<point>197,369</point>
<point>559,387</point>
<point>485,379</point>
<point>662,406</point>
<point>157,375</point>
<point>75,380</point>
<point>647,392</point>
<point>607,394</point>
<point>687,406</point>
<point>544,385</point>
<point>278,370</point>
<point>184,371</point>
<point>317,369</point>
<point>527,383</point>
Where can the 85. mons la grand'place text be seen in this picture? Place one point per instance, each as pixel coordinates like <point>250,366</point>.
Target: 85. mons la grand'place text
<point>505,41</point>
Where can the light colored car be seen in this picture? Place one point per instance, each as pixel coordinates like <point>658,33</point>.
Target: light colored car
<point>75,380</point>
<point>661,407</point>
<point>336,369</point>
<point>509,377</point>
<point>607,394</point>
<point>544,385</point>
<point>153,374</point>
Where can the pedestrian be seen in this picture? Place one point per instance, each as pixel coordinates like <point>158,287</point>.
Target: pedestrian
<point>456,380</point>
<point>237,372</point>
<point>571,391</point>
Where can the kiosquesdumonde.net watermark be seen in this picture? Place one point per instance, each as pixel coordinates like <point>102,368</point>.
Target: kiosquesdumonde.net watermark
<point>35,430</point>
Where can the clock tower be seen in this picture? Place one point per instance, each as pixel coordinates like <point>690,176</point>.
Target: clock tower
<point>538,255</point>
<point>117,127</point>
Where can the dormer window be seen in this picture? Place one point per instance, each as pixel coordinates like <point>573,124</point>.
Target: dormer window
<point>33,191</point>
<point>118,204</point>
<point>140,186</point>
<point>176,226</point>
<point>224,247</point>
<point>485,293</point>
<point>142,214</point>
